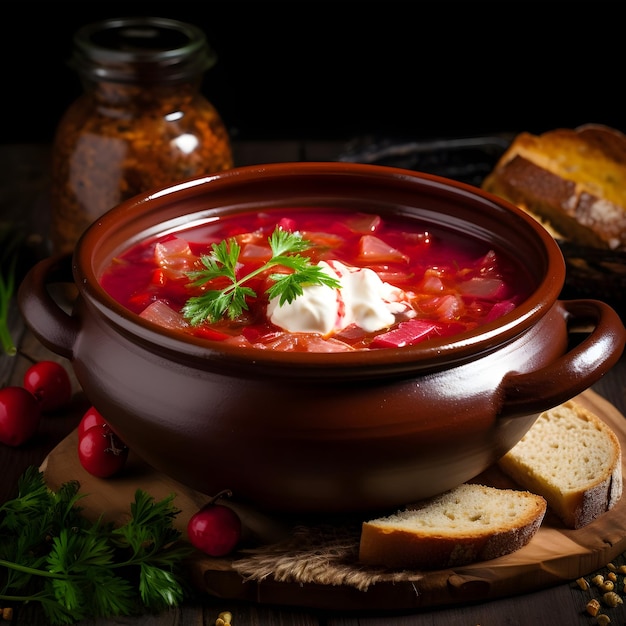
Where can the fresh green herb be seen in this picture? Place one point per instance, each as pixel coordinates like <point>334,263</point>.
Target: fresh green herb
<point>7,286</point>
<point>10,240</point>
<point>77,569</point>
<point>214,304</point>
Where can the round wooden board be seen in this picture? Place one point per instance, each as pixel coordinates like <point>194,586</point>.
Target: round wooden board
<point>554,555</point>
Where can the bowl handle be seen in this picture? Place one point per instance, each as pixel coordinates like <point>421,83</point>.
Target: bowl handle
<point>48,321</point>
<point>577,369</point>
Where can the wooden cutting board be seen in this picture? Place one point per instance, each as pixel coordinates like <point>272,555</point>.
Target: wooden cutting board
<point>306,563</point>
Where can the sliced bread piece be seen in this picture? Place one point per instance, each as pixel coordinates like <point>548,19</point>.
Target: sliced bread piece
<point>574,180</point>
<point>469,523</point>
<point>572,458</point>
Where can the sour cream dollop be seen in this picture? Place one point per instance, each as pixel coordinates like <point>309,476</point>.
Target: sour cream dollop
<point>363,299</point>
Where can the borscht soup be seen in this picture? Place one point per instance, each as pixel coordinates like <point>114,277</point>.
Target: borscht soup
<point>311,280</point>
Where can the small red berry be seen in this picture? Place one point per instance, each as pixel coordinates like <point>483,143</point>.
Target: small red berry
<point>50,383</point>
<point>20,415</point>
<point>215,529</point>
<point>101,452</point>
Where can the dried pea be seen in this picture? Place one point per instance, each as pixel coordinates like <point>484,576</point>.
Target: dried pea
<point>224,619</point>
<point>612,599</point>
<point>593,607</point>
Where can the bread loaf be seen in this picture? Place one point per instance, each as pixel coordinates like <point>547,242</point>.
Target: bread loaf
<point>573,181</point>
<point>469,523</point>
<point>573,459</point>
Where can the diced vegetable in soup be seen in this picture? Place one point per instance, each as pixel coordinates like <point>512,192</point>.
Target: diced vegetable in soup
<point>317,281</point>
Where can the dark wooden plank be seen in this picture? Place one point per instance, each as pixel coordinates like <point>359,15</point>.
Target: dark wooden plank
<point>550,607</point>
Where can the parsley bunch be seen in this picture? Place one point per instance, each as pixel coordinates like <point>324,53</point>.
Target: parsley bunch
<point>214,304</point>
<point>76,569</point>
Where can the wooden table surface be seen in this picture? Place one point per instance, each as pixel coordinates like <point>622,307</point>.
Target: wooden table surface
<point>24,177</point>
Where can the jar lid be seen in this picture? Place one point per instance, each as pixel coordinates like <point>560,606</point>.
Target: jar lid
<point>141,49</point>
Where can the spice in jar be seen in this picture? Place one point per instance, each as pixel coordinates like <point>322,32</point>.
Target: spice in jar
<point>140,123</point>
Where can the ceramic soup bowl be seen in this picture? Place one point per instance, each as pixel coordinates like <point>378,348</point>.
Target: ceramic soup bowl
<point>359,430</point>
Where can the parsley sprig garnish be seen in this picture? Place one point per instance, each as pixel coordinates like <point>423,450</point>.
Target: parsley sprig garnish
<point>77,569</point>
<point>222,263</point>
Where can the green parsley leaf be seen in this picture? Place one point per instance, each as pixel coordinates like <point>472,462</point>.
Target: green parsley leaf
<point>231,301</point>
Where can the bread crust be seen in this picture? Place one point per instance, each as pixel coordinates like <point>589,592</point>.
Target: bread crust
<point>573,180</point>
<point>564,439</point>
<point>396,542</point>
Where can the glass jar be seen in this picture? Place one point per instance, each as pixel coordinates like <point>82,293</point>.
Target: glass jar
<point>140,123</point>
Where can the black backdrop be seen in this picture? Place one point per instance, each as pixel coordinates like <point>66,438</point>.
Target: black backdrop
<point>335,70</point>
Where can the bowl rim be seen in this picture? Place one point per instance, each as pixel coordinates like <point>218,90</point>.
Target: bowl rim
<point>388,361</point>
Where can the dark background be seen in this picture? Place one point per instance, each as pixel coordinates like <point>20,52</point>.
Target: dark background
<point>335,70</point>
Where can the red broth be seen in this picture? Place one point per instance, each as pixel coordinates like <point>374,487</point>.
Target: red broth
<point>451,283</point>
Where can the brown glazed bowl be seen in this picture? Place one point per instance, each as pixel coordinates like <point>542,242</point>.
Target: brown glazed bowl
<point>314,432</point>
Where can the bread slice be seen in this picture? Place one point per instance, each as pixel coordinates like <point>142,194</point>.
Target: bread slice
<point>469,523</point>
<point>572,458</point>
<point>573,181</point>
